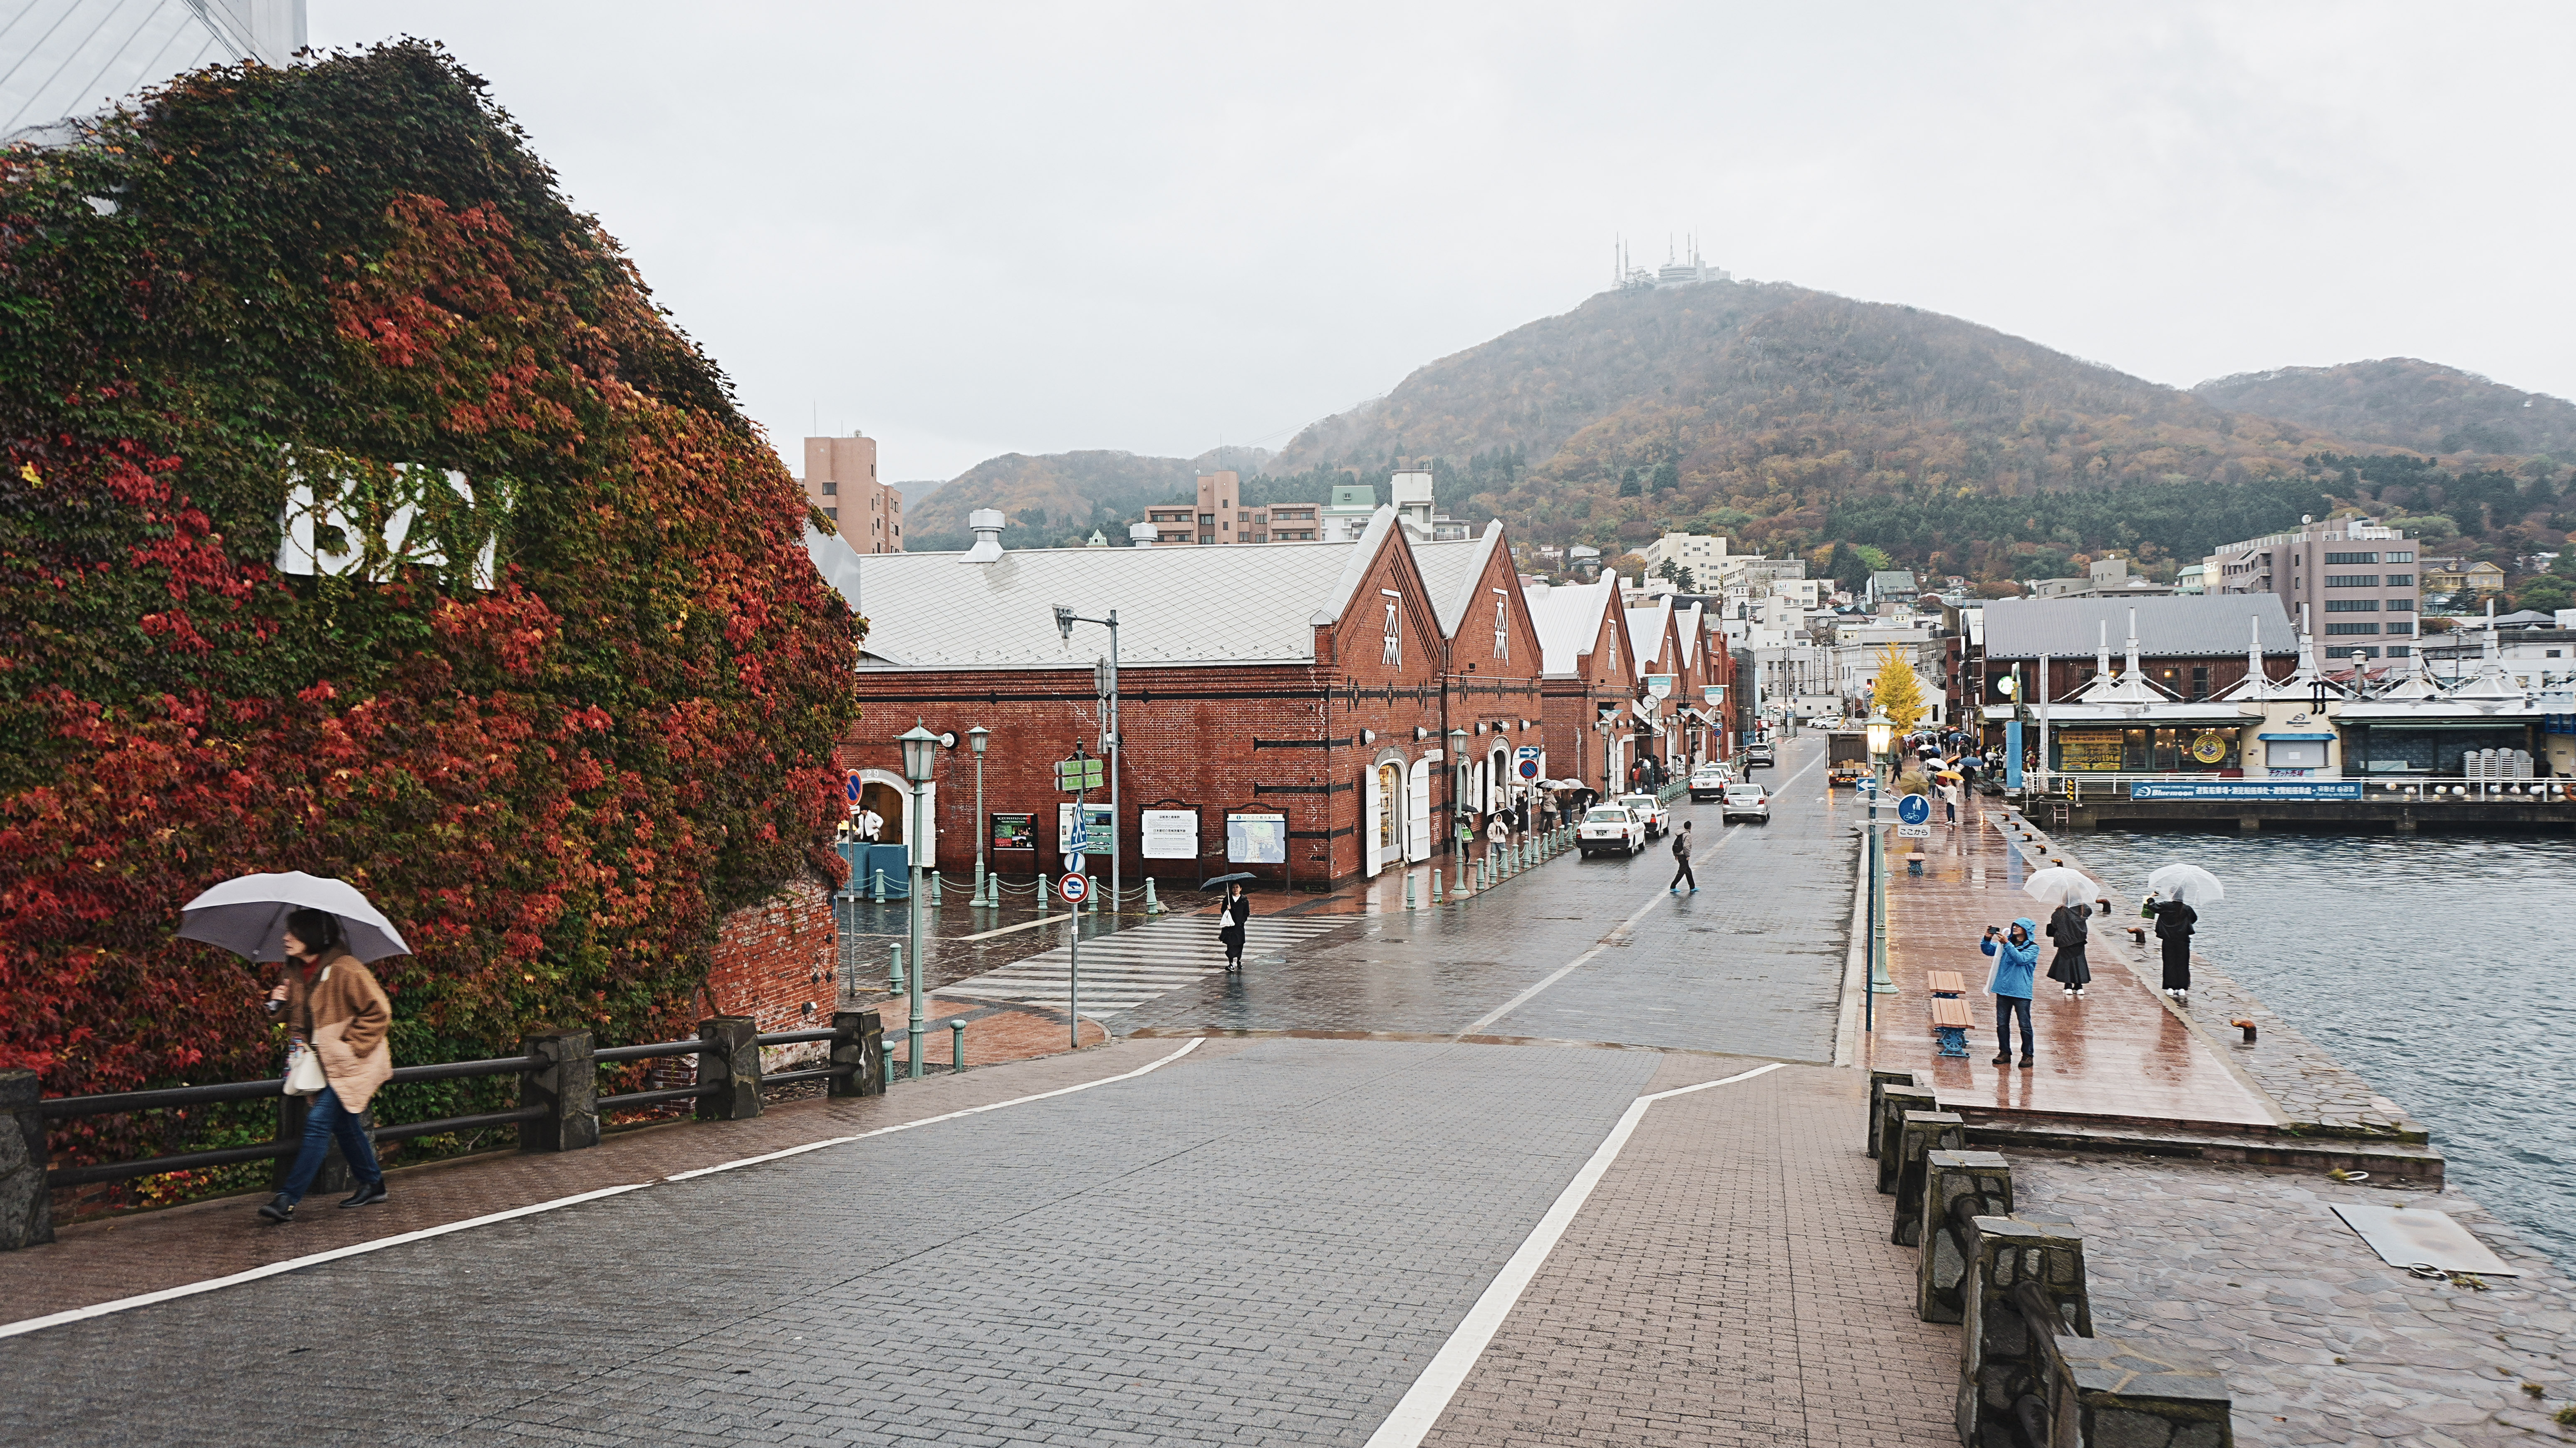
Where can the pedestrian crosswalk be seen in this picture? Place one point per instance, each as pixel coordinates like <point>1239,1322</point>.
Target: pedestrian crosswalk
<point>1129,968</point>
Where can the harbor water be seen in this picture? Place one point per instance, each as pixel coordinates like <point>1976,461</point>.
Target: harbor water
<point>2436,966</point>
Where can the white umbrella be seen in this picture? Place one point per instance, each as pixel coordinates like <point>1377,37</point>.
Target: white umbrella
<point>2189,884</point>
<point>247,915</point>
<point>2058,885</point>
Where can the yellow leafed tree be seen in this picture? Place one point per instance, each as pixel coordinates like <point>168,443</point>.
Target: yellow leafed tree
<point>1896,693</point>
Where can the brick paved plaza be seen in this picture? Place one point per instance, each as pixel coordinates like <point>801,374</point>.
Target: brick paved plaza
<point>1260,1210</point>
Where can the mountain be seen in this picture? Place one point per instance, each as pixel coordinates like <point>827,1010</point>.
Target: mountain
<point>2403,402</point>
<point>1752,408</point>
<point>1056,499</point>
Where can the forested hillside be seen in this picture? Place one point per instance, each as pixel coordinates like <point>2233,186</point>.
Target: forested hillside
<point>1057,499</point>
<point>2401,402</point>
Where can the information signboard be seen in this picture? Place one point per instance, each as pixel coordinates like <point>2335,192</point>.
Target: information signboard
<point>1659,686</point>
<point>1171,834</point>
<point>1095,831</point>
<point>1015,832</point>
<point>1256,839</point>
<point>1078,774</point>
<point>2089,751</point>
<point>2247,789</point>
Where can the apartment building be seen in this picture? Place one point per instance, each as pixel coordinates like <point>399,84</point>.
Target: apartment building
<point>1222,516</point>
<point>2359,583</point>
<point>841,481</point>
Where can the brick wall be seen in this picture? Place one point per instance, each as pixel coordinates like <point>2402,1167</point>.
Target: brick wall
<point>777,962</point>
<point>1294,739</point>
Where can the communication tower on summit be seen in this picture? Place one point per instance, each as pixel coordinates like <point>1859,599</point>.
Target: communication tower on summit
<point>1627,276</point>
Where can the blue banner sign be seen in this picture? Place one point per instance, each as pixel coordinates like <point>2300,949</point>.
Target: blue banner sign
<point>2247,789</point>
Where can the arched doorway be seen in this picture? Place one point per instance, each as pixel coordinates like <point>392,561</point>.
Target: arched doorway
<point>888,802</point>
<point>1384,829</point>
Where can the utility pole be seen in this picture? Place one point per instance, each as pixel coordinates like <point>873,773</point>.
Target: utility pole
<point>1106,677</point>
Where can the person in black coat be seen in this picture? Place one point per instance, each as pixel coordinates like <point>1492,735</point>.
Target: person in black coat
<point>1236,914</point>
<point>2174,923</point>
<point>2069,928</point>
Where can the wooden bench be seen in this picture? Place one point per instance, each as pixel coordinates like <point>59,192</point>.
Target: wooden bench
<point>1945,982</point>
<point>1950,1024</point>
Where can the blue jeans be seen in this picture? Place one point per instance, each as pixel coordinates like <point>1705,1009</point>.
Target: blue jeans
<point>2007,1007</point>
<point>324,1119</point>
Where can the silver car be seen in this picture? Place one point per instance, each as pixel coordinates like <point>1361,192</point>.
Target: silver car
<point>1744,802</point>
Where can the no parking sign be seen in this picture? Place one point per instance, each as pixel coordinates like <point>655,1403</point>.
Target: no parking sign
<point>1525,762</point>
<point>1074,888</point>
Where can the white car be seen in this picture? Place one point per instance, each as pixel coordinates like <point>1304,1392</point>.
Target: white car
<point>1609,829</point>
<point>1744,802</point>
<point>1709,781</point>
<point>1649,810</point>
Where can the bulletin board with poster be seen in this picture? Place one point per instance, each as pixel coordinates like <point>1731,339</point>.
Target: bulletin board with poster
<point>2081,751</point>
<point>1171,834</point>
<point>1256,839</point>
<point>1015,832</point>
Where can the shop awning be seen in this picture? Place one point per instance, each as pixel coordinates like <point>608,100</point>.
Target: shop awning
<point>2327,737</point>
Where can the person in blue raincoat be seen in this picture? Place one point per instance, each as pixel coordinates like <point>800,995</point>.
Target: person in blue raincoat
<point>2016,955</point>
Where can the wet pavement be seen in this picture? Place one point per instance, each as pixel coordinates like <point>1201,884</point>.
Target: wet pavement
<point>2117,1053</point>
<point>1583,950</point>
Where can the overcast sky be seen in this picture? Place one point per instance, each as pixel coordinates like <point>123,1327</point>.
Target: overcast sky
<point>974,230</point>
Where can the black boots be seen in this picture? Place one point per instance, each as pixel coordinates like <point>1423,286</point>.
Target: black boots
<point>372,1192</point>
<point>278,1209</point>
<point>2003,1058</point>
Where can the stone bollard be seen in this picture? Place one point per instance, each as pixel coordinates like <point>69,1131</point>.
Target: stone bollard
<point>1878,1082</point>
<point>2129,1391</point>
<point>729,1060</point>
<point>934,889</point>
<point>894,970</point>
<point>1958,1188</point>
<point>1408,889</point>
<point>1893,1102</point>
<point>1045,900</point>
<point>1923,1133</point>
<point>2024,1291</point>
<point>26,1203</point>
<point>566,1088</point>
<point>1435,884</point>
<point>878,893</point>
<point>956,1047</point>
<point>1152,905</point>
<point>861,1047</point>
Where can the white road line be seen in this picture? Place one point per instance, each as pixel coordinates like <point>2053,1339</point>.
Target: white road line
<point>1431,1393</point>
<point>169,1294</point>
<point>357,1249</point>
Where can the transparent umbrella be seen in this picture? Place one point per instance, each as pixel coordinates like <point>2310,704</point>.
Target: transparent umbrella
<point>2189,884</point>
<point>2058,885</point>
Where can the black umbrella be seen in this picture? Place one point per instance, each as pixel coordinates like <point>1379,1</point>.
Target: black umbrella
<point>1227,879</point>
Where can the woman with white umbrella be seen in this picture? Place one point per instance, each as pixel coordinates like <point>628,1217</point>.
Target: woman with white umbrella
<point>336,1014</point>
<point>2177,918</point>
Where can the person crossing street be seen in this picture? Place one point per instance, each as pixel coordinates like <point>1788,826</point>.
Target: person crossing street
<point>1682,861</point>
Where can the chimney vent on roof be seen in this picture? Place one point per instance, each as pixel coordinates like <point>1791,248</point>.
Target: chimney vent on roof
<point>1141,534</point>
<point>987,524</point>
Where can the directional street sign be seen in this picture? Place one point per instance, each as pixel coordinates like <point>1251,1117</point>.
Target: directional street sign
<point>1077,774</point>
<point>1913,809</point>
<point>1525,762</point>
<point>1074,888</point>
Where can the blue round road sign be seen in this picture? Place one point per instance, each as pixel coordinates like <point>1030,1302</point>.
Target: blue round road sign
<point>1913,809</point>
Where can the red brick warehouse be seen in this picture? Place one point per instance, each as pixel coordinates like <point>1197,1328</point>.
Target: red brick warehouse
<point>1316,681</point>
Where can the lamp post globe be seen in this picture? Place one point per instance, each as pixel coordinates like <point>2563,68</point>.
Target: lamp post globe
<point>978,737</point>
<point>920,752</point>
<point>1882,732</point>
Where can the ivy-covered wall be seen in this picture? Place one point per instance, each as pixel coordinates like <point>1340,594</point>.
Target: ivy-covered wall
<point>539,662</point>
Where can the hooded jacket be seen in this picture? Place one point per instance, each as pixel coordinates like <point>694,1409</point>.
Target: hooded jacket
<point>2014,964</point>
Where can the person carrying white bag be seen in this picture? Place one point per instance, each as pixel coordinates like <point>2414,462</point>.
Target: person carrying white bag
<point>336,1018</point>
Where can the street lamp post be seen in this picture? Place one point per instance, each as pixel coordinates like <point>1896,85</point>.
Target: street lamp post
<point>1882,733</point>
<point>1110,744</point>
<point>976,739</point>
<point>1457,796</point>
<point>920,758</point>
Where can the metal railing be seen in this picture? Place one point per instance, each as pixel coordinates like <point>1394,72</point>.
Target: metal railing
<point>855,1035</point>
<point>2115,785</point>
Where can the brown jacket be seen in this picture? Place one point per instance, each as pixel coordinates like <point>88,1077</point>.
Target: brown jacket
<point>345,1015</point>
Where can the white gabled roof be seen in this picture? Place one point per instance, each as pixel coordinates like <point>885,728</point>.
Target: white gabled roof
<point>1646,632</point>
<point>1452,570</point>
<point>1233,603</point>
<point>1689,626</point>
<point>1568,619</point>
